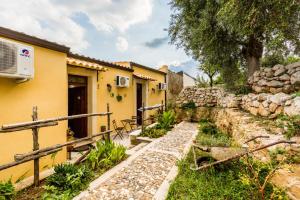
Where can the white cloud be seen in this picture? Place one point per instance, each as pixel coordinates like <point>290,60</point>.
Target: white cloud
<point>108,15</point>
<point>42,19</point>
<point>52,19</point>
<point>121,44</point>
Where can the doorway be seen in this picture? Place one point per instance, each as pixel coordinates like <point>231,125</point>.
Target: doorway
<point>139,102</point>
<point>77,104</point>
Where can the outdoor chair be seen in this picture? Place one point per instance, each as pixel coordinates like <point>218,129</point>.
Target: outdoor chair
<point>133,123</point>
<point>119,129</point>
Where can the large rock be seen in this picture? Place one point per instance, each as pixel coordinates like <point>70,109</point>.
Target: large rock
<point>277,67</point>
<point>295,78</point>
<point>284,77</point>
<point>262,82</point>
<point>279,71</point>
<point>292,66</point>
<point>294,108</point>
<point>263,111</point>
<point>275,84</point>
<point>279,98</point>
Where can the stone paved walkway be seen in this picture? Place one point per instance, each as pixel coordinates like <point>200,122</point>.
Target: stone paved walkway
<point>143,176</point>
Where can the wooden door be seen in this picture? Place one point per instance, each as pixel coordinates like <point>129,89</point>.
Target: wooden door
<point>78,105</point>
<point>139,102</point>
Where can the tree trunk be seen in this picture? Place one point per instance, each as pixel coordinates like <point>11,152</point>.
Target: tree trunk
<point>253,65</point>
<point>211,81</point>
<point>254,51</point>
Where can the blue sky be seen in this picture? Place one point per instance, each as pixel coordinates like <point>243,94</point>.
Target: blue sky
<point>112,30</point>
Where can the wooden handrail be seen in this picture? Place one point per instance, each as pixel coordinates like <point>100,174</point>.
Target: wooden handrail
<point>31,124</point>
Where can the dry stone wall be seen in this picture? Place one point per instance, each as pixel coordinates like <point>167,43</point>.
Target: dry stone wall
<point>263,104</point>
<point>271,105</point>
<point>208,97</point>
<point>276,79</point>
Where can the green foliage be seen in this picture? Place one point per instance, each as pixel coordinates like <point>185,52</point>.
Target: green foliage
<point>67,181</point>
<point>189,105</point>
<point>209,135</point>
<point>7,190</point>
<point>154,132</point>
<point>166,120</point>
<point>231,31</point>
<point>291,157</point>
<point>237,179</point>
<point>211,70</point>
<point>242,89</point>
<point>201,82</point>
<point>208,128</point>
<point>227,181</point>
<point>269,60</point>
<point>105,155</point>
<point>291,125</point>
<point>297,94</point>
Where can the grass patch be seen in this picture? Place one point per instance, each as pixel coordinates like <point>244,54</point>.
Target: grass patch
<point>69,180</point>
<point>232,180</point>
<point>209,135</point>
<point>153,132</point>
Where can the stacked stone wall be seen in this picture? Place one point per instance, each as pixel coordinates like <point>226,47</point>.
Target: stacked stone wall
<point>277,79</point>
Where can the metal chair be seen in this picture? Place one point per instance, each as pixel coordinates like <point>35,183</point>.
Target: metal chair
<point>119,129</point>
<point>133,123</point>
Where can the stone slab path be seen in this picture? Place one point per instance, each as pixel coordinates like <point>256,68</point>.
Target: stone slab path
<point>146,174</point>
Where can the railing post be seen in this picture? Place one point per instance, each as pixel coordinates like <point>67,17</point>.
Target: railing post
<point>108,121</point>
<point>143,116</point>
<point>35,135</point>
<point>162,106</point>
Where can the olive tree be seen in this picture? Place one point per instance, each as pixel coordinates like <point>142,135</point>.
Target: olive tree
<point>230,31</point>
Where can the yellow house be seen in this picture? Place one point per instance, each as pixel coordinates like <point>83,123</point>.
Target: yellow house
<point>47,90</point>
<point>67,84</point>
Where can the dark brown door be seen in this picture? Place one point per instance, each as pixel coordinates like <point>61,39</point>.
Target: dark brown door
<point>78,105</point>
<point>139,102</point>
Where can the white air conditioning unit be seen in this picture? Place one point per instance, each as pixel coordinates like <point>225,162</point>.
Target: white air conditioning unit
<point>16,60</point>
<point>122,81</point>
<point>162,86</point>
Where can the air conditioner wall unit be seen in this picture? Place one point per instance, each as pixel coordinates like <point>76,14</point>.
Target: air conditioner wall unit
<point>162,86</point>
<point>16,60</point>
<point>122,81</point>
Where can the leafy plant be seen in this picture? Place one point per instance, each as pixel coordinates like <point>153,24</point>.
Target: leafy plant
<point>189,105</point>
<point>166,120</point>
<point>154,132</point>
<point>209,135</point>
<point>7,190</point>
<point>105,154</point>
<point>242,89</point>
<point>291,125</point>
<point>259,176</point>
<point>67,181</point>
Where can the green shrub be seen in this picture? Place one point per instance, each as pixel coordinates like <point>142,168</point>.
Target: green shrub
<point>154,132</point>
<point>291,125</point>
<point>7,190</point>
<point>166,120</point>
<point>209,128</point>
<point>105,155</point>
<point>242,89</point>
<point>67,181</point>
<point>189,105</point>
<point>209,135</point>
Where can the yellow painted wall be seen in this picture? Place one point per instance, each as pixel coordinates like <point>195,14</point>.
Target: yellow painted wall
<point>123,109</point>
<point>153,97</point>
<point>48,91</point>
